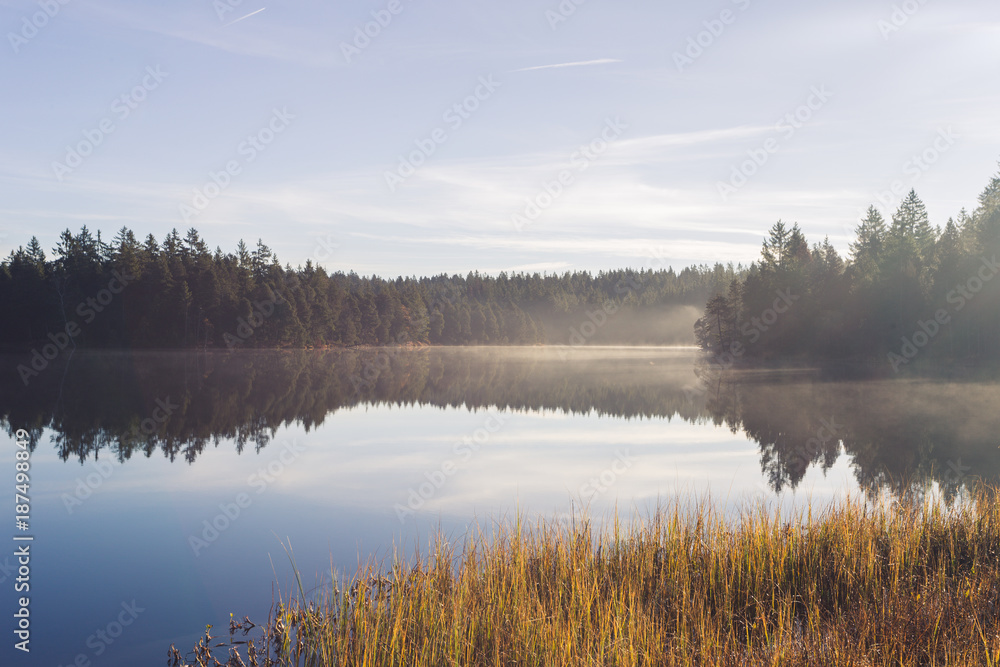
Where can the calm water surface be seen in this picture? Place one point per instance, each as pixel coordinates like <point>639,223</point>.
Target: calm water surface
<point>167,482</point>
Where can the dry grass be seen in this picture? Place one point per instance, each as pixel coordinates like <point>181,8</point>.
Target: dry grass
<point>851,586</point>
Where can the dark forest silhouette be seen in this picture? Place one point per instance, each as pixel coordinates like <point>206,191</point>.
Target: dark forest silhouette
<point>179,294</point>
<point>909,292</point>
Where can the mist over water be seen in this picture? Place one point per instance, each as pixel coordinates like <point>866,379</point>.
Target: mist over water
<point>165,467</point>
<point>897,432</point>
<point>669,325</point>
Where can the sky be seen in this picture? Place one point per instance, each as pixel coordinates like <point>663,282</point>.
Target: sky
<point>411,137</point>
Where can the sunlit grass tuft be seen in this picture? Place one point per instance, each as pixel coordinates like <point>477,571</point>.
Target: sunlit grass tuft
<point>852,585</point>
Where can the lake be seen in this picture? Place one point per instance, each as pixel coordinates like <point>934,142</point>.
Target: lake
<point>164,484</point>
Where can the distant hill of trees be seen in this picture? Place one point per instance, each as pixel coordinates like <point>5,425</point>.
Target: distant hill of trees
<point>179,294</point>
<point>908,291</point>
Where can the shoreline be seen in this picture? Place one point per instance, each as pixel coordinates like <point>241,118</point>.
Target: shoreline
<point>852,585</point>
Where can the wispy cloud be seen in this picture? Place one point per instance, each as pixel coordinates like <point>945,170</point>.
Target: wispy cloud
<point>292,44</point>
<point>540,267</point>
<point>581,63</point>
<point>637,248</point>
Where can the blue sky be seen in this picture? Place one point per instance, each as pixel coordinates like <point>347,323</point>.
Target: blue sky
<point>679,131</point>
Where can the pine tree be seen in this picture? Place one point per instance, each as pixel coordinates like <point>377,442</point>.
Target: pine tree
<point>775,249</point>
<point>868,248</point>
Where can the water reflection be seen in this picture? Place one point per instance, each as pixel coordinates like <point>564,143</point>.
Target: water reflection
<point>899,435</point>
<point>902,435</point>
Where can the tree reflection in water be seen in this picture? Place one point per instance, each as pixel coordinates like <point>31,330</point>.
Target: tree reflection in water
<point>902,435</point>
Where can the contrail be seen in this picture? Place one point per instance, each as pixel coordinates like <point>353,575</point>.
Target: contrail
<point>245,17</point>
<point>576,64</point>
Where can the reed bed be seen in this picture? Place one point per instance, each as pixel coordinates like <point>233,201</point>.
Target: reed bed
<point>851,585</point>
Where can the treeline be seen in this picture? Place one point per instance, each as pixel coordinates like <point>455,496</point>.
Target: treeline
<point>179,294</point>
<point>908,290</point>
